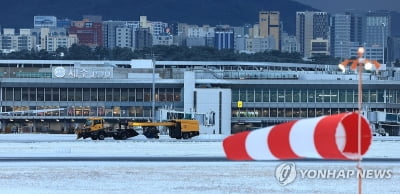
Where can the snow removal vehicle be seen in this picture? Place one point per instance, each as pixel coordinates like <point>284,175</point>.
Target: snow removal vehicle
<point>96,128</point>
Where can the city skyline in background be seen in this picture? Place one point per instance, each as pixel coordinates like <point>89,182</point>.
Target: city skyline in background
<point>343,5</point>
<point>317,34</point>
<point>311,33</point>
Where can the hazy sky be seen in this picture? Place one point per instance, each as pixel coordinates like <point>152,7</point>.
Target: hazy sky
<point>342,5</point>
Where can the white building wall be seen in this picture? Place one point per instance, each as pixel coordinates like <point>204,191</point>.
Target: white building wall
<point>25,32</point>
<point>163,39</point>
<point>208,101</point>
<point>72,39</point>
<point>289,43</point>
<point>240,44</point>
<point>44,33</point>
<point>51,44</point>
<point>124,37</point>
<point>189,85</point>
<point>55,42</point>
<point>217,102</point>
<point>158,28</point>
<point>195,32</point>
<point>16,42</point>
<point>263,44</point>
<point>9,31</point>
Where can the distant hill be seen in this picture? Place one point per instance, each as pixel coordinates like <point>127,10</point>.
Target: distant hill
<point>19,13</point>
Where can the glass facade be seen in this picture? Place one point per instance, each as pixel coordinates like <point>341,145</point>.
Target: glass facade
<point>32,95</point>
<point>79,99</point>
<point>314,95</point>
<point>303,103</point>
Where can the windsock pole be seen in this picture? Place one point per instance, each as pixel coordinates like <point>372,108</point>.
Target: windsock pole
<point>356,65</point>
<point>359,126</point>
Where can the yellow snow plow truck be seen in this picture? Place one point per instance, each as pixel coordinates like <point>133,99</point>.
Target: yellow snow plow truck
<point>95,128</point>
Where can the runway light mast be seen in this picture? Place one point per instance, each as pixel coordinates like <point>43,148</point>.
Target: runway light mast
<point>356,65</point>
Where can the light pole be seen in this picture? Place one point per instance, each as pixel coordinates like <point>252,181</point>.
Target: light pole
<point>341,50</point>
<point>153,92</point>
<point>153,86</point>
<point>383,42</point>
<point>356,65</point>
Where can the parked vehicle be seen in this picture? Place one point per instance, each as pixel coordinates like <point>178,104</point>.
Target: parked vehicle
<point>95,128</point>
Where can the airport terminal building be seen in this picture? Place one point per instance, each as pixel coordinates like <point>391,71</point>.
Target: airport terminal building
<point>227,97</point>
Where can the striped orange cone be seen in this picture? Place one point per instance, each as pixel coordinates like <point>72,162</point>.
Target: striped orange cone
<point>326,137</point>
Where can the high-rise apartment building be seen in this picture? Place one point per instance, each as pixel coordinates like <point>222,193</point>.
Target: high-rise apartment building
<point>310,26</point>
<point>224,38</point>
<point>54,42</point>
<point>51,33</point>
<point>254,45</point>
<point>125,37</point>
<point>143,22</point>
<point>394,48</point>
<point>119,33</point>
<point>377,30</point>
<point>10,41</point>
<point>158,28</point>
<point>163,39</point>
<point>200,35</point>
<point>340,35</point>
<point>270,26</point>
<point>357,26</point>
<point>123,33</point>
<point>289,43</point>
<point>89,33</point>
<point>254,31</point>
<point>377,27</point>
<point>50,39</point>
<point>143,38</point>
<point>109,32</point>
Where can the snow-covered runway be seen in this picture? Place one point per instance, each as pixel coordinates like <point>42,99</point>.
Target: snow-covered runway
<point>168,177</point>
<point>144,177</point>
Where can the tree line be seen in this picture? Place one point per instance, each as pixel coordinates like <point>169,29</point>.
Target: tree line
<point>163,53</point>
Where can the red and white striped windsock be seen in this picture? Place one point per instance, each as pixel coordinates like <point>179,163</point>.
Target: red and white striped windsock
<point>326,137</point>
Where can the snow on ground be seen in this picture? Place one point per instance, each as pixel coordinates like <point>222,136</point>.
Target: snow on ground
<point>205,145</point>
<point>178,177</point>
<point>168,177</point>
<point>37,137</point>
<point>18,145</point>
